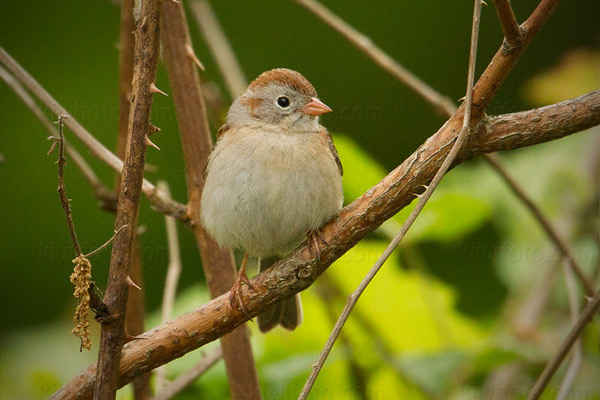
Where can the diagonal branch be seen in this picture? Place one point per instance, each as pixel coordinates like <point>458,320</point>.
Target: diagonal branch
<point>464,133</point>
<point>508,22</point>
<point>435,99</point>
<point>172,389</point>
<point>220,47</point>
<point>364,43</point>
<point>584,318</point>
<point>105,196</point>
<point>144,74</point>
<point>299,269</point>
<point>159,200</point>
<point>555,237</point>
<point>218,263</point>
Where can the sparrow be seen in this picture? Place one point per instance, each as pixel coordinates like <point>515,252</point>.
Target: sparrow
<point>272,180</point>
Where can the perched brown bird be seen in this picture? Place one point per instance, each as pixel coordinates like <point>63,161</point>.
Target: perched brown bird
<point>273,179</point>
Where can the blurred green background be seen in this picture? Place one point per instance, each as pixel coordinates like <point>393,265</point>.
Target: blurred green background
<point>448,310</point>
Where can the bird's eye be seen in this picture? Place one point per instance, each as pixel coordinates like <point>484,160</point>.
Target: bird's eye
<point>283,102</point>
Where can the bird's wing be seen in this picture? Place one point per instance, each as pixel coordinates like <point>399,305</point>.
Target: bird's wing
<point>222,130</point>
<point>333,150</point>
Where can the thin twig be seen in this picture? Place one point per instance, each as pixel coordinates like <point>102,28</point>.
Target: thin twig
<point>136,299</point>
<point>220,47</point>
<point>553,234</point>
<point>170,390</point>
<point>577,355</point>
<point>161,203</point>
<point>442,103</point>
<point>466,129</point>
<point>109,241</point>
<point>359,374</point>
<point>171,280</point>
<point>508,22</point>
<point>526,318</point>
<point>82,272</point>
<point>105,196</point>
<point>436,99</point>
<point>584,318</point>
<point>62,191</point>
<point>218,263</point>
<point>174,267</point>
<point>329,290</point>
<point>144,74</point>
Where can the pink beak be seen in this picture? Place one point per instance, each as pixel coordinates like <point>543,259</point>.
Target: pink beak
<point>315,107</point>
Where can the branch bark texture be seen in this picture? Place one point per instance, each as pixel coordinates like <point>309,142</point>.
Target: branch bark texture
<point>113,332</point>
<point>134,319</point>
<point>218,263</point>
<point>298,270</point>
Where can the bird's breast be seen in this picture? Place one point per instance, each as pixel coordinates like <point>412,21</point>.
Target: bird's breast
<point>264,191</point>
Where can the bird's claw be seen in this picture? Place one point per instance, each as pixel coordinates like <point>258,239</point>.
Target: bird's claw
<point>235,295</point>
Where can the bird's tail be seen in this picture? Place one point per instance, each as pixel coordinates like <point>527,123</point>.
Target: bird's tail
<point>287,313</point>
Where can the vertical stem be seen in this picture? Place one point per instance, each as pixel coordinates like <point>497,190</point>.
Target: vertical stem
<point>171,282</point>
<point>220,47</point>
<point>113,332</point>
<point>134,319</point>
<point>218,264</point>
<point>584,318</point>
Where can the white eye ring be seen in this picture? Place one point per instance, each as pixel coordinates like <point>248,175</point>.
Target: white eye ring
<point>283,101</point>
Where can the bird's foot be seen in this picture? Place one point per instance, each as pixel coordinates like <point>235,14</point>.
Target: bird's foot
<point>235,296</point>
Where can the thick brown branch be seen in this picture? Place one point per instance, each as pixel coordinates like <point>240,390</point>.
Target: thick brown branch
<point>218,264</point>
<point>144,73</point>
<point>508,22</point>
<point>298,270</point>
<point>159,200</point>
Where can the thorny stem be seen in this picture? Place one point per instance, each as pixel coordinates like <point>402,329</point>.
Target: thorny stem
<point>113,333</point>
<point>134,318</point>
